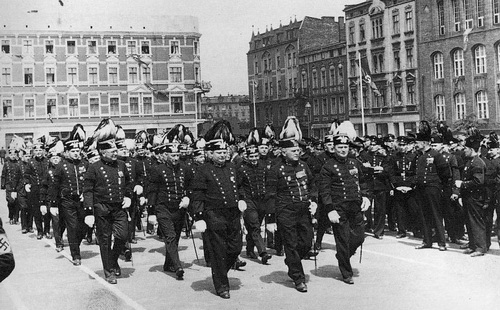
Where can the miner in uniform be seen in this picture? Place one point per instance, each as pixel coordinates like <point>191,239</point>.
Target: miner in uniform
<point>12,181</point>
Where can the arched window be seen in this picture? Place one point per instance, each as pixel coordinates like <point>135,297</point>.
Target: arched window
<point>440,107</point>
<point>480,59</point>
<point>438,65</point>
<point>362,32</point>
<point>482,105</point>
<point>460,106</point>
<point>458,62</point>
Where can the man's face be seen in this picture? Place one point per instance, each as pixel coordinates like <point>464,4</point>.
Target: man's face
<point>141,152</point>
<point>172,158</point>
<point>12,155</point>
<point>329,147</point>
<point>74,154</point>
<point>110,154</point>
<point>123,152</point>
<point>263,150</point>
<point>342,150</point>
<point>38,152</point>
<point>468,151</point>
<point>253,158</point>
<point>292,153</point>
<point>437,146</point>
<point>55,159</point>
<point>200,159</point>
<point>219,156</point>
<point>26,157</point>
<point>94,159</point>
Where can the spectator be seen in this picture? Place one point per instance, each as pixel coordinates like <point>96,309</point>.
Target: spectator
<point>3,152</point>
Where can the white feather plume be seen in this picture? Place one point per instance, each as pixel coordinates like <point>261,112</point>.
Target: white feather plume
<point>346,128</point>
<point>291,129</point>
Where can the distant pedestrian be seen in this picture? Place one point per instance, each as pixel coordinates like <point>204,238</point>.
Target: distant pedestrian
<point>3,152</point>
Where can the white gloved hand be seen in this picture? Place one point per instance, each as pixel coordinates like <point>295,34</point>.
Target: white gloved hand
<point>43,209</point>
<point>313,207</point>
<point>458,183</point>
<point>460,202</point>
<point>271,227</point>
<point>152,220</point>
<point>242,205</point>
<point>404,189</point>
<point>54,211</point>
<point>90,220</point>
<point>391,192</point>
<point>27,187</point>
<point>143,201</point>
<point>454,197</point>
<point>81,197</point>
<point>365,204</point>
<point>334,216</point>
<point>201,225</point>
<point>13,195</point>
<point>184,202</point>
<point>126,202</point>
<point>138,189</point>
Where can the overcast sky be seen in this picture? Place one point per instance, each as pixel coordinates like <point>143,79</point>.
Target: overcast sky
<point>225,25</point>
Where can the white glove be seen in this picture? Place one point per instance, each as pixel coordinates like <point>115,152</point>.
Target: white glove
<point>334,216</point>
<point>271,227</point>
<point>460,202</point>
<point>152,220</point>
<point>143,201</point>
<point>54,211</point>
<point>126,202</point>
<point>27,187</point>
<point>313,207</point>
<point>242,205</point>
<point>403,189</point>
<point>458,183</point>
<point>201,225</point>
<point>365,204</point>
<point>138,189</point>
<point>391,192</point>
<point>90,220</point>
<point>81,197</point>
<point>184,202</point>
<point>454,197</point>
<point>13,195</point>
<point>43,209</point>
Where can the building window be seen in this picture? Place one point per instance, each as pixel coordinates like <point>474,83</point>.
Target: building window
<point>6,46</point>
<point>50,75</point>
<point>498,56</point>
<point>28,47</point>
<point>460,106</point>
<point>323,77</point>
<point>395,22</point>
<point>457,15</point>
<point>29,107</point>
<point>409,20</point>
<point>174,47</point>
<point>333,106</point>
<point>469,10</point>
<point>496,11</point>
<point>377,28</point>
<point>353,67</point>
<point>438,65</point>
<point>177,106</point>
<point>409,127</point>
<point>411,94</point>
<point>146,74</point>
<point>147,103</point>
<point>315,107</point>
<point>175,74</point>
<point>480,59</point>
<point>71,47</point>
<point>92,47</point>
<point>6,78</point>
<point>112,47</point>
<point>132,75</point>
<point>72,75</point>
<point>113,75</point>
<point>397,93</point>
<point>28,76</point>
<point>73,107</point>
<point>340,75</point>
<point>440,7</point>
<point>134,105</point>
<point>315,79</point>
<point>131,47</point>
<point>93,75</point>
<point>409,57</point>
<point>304,74</point>
<point>49,46</point>
<point>480,13</point>
<point>94,106</point>
<point>324,106</point>
<point>196,47</point>
<point>482,105</point>
<point>332,75</point>
<point>278,62</point>
<point>7,108</point>
<point>351,33</point>
<point>381,62</point>
<point>397,60</point>
<point>51,107</point>
<point>458,62</point>
<point>145,47</point>
<point>114,106</point>
<point>362,31</point>
<point>341,105</point>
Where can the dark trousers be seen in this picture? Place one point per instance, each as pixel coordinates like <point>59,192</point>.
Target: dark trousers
<point>452,213</point>
<point>476,227</point>
<point>379,211</point>
<point>13,205</point>
<point>133,212</point>
<point>294,224</point>
<point>405,205</point>
<point>391,211</point>
<point>349,235</point>
<point>74,218</point>
<point>223,236</point>
<point>253,217</point>
<point>171,222</point>
<point>110,220</point>
<point>42,222</point>
<point>26,213</point>
<point>323,223</point>
<point>58,227</point>
<point>429,200</point>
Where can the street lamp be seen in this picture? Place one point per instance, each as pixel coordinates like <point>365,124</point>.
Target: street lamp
<point>308,112</point>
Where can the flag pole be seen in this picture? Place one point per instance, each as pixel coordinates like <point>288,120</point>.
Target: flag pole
<point>253,102</point>
<point>361,96</point>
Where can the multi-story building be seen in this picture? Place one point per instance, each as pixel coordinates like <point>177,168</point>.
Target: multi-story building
<point>233,108</point>
<point>384,32</point>
<point>59,70</point>
<point>459,57</point>
<point>323,75</point>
